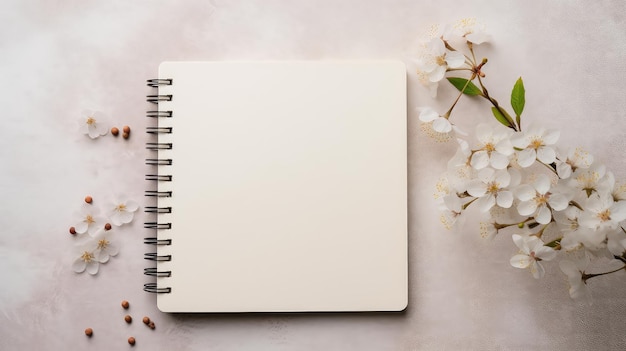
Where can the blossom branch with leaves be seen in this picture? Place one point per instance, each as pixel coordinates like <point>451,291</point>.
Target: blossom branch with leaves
<point>556,203</point>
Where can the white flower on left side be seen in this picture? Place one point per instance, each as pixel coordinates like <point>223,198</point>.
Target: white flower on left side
<point>93,124</point>
<point>89,220</point>
<point>536,144</point>
<point>470,30</point>
<point>123,211</point>
<point>86,260</point>
<point>440,124</point>
<point>532,251</point>
<point>438,59</point>
<point>105,247</point>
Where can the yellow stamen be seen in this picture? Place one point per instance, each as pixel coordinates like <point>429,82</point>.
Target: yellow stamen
<point>489,147</point>
<point>541,199</point>
<point>103,243</point>
<point>87,256</point>
<point>120,208</point>
<point>89,219</point>
<point>536,143</point>
<point>91,120</point>
<point>493,187</point>
<point>605,215</point>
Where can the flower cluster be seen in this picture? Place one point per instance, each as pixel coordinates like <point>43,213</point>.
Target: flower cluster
<point>555,202</point>
<point>96,237</point>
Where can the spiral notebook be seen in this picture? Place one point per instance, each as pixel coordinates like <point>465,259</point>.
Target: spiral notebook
<point>278,187</point>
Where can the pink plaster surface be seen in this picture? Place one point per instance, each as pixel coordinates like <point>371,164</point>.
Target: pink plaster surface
<point>58,58</point>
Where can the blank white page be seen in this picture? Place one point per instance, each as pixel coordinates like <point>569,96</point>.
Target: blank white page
<point>289,188</point>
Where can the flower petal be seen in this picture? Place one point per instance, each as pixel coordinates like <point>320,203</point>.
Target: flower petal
<point>525,192</point>
<point>499,161</point>
<point>442,125</point>
<point>546,253</point>
<point>132,206</point>
<point>526,157</point>
<point>520,242</point>
<point>428,115</point>
<point>537,269</point>
<point>79,265</point>
<point>480,159</point>
<point>520,261</point>
<point>476,188</point>
<point>542,183</point>
<point>527,208</point>
<point>544,215</point>
<point>563,170</point>
<point>504,199</point>
<point>485,203</point>
<point>551,136</point>
<point>92,267</point>
<point>437,74</point>
<point>126,217</point>
<point>455,59</point>
<point>81,227</point>
<point>558,202</point>
<point>546,155</point>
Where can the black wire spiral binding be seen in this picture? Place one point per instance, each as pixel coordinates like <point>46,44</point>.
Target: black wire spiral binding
<point>158,161</point>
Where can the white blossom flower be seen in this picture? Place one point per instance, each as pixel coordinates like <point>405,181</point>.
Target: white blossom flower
<point>494,148</point>
<point>459,171</point>
<point>440,124</point>
<point>573,235</point>
<point>430,86</point>
<point>616,242</point>
<point>89,220</point>
<point>491,188</point>
<point>437,59</point>
<point>468,29</point>
<point>574,268</point>
<point>537,200</point>
<point>123,211</point>
<point>452,213</point>
<point>105,247</point>
<point>607,184</point>
<point>536,144</point>
<point>93,124</point>
<point>588,179</point>
<point>571,161</point>
<point>602,212</point>
<point>532,251</point>
<point>86,259</point>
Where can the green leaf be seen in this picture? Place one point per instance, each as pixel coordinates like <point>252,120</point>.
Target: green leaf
<point>518,97</point>
<point>500,117</point>
<point>460,83</point>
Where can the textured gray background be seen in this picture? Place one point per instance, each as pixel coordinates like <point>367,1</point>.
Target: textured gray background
<point>60,57</point>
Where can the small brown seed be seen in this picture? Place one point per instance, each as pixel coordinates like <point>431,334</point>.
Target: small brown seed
<point>89,332</point>
<point>107,226</point>
<point>146,320</point>
<point>72,230</point>
<point>128,318</point>
<point>126,129</point>
<point>125,135</point>
<point>151,325</point>
<point>125,304</point>
<point>88,199</point>
<point>131,340</point>
<point>115,131</point>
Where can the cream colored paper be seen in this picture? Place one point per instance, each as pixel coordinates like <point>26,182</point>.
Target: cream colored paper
<point>289,188</point>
